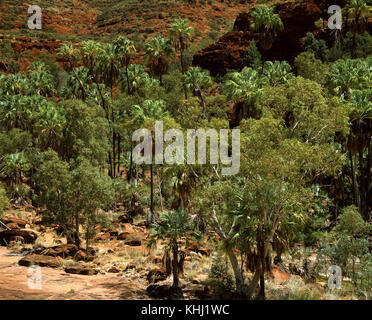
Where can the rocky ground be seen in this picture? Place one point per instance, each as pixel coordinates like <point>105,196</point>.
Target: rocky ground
<point>119,266</point>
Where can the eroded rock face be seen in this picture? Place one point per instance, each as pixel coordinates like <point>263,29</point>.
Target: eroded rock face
<point>228,53</point>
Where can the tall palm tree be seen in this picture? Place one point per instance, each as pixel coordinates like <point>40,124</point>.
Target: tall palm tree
<point>244,87</point>
<point>125,49</point>
<point>77,85</point>
<point>154,110</point>
<point>267,24</point>
<point>357,13</point>
<point>158,52</point>
<point>359,141</point>
<point>109,65</point>
<point>137,78</point>
<point>181,34</point>
<point>89,53</point>
<point>196,80</point>
<point>69,54</point>
<point>50,126</point>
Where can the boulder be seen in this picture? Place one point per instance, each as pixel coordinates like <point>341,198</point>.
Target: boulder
<point>279,275</point>
<point>63,251</point>
<point>125,219</point>
<point>156,275</point>
<point>114,269</point>
<point>40,260</point>
<point>159,292</point>
<point>14,222</point>
<point>103,236</point>
<point>80,269</point>
<point>133,242</point>
<point>28,236</point>
<point>195,248</point>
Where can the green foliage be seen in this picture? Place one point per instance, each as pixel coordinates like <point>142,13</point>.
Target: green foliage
<point>350,244</point>
<point>253,57</point>
<point>277,72</point>
<point>309,67</point>
<point>318,47</point>
<point>3,200</point>
<point>220,278</point>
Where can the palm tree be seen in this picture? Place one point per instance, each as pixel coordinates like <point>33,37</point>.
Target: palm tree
<point>109,65</point>
<point>350,74</point>
<point>267,24</point>
<point>14,166</point>
<point>181,34</point>
<point>15,84</point>
<point>277,72</point>
<point>89,53</point>
<point>137,78</point>
<point>69,54</point>
<point>174,226</point>
<point>196,80</point>
<point>125,49</point>
<point>77,85</point>
<point>158,52</point>
<point>358,141</point>
<point>357,13</point>
<point>244,87</point>
<point>148,110</point>
<point>41,80</point>
<point>50,126</point>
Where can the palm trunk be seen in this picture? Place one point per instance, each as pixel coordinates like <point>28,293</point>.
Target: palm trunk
<point>129,176</point>
<point>354,180</point>
<point>119,151</point>
<point>127,75</point>
<point>152,192</point>
<point>176,282</point>
<point>77,238</point>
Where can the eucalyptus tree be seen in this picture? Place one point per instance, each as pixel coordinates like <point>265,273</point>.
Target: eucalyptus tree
<point>282,156</point>
<point>158,53</point>
<point>181,34</point>
<point>197,80</point>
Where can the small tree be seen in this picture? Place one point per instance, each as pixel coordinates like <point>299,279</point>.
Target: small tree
<point>351,243</point>
<point>174,226</point>
<point>3,200</point>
